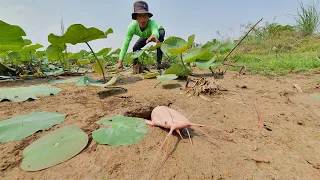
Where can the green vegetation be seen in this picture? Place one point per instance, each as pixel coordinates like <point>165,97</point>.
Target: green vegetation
<point>281,49</point>
<point>272,48</point>
<point>285,63</point>
<point>308,19</point>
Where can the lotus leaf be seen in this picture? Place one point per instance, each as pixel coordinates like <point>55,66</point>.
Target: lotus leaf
<point>226,48</point>
<point>174,45</point>
<point>103,51</point>
<point>179,70</point>
<point>54,148</point>
<point>22,126</point>
<point>53,52</point>
<point>76,56</point>
<point>40,54</point>
<point>205,64</point>
<point>77,33</point>
<point>27,42</point>
<point>122,131</point>
<point>31,48</point>
<point>11,34</point>
<point>196,53</point>
<point>152,48</point>
<point>166,78</point>
<point>24,93</point>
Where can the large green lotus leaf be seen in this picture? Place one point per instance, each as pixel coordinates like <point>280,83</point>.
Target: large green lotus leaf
<point>196,53</point>
<point>53,52</point>
<point>205,64</point>
<point>179,70</point>
<point>226,48</point>
<point>117,51</point>
<point>69,80</point>
<point>8,30</point>
<point>208,44</point>
<point>122,131</point>
<point>3,55</point>
<point>15,55</point>
<point>215,47</point>
<point>31,48</point>
<point>84,51</point>
<point>190,40</point>
<point>77,55</point>
<point>54,148</point>
<point>103,51</point>
<point>11,37</point>
<point>69,54</point>
<point>80,81</point>
<point>11,47</point>
<point>19,127</point>
<point>24,93</point>
<point>40,54</point>
<point>152,48</point>
<point>12,41</point>
<point>165,78</point>
<point>137,54</point>
<point>27,42</point>
<point>207,55</point>
<point>115,54</point>
<point>77,33</point>
<point>174,45</point>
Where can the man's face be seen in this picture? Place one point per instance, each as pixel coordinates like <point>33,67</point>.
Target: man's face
<point>143,20</point>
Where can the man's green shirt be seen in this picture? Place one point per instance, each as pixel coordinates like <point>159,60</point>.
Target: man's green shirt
<point>134,29</point>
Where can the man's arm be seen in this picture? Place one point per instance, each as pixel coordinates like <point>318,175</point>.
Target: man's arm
<point>154,33</point>
<point>126,42</point>
<point>154,29</point>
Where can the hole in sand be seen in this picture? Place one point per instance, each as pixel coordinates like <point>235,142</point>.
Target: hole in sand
<point>171,86</point>
<point>112,92</point>
<point>144,113</point>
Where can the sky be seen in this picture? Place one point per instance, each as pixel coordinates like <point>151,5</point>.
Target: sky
<point>179,17</point>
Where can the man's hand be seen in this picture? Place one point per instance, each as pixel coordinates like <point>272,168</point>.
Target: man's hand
<point>153,39</point>
<point>119,65</point>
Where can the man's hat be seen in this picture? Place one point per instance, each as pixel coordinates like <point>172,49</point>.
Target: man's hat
<point>140,7</point>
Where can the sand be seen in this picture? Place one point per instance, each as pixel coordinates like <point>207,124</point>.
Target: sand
<point>288,144</point>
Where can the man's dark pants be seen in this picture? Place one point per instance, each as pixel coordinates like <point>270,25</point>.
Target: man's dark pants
<point>142,42</point>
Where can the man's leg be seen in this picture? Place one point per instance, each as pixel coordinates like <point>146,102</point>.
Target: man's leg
<point>159,52</point>
<point>138,46</point>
